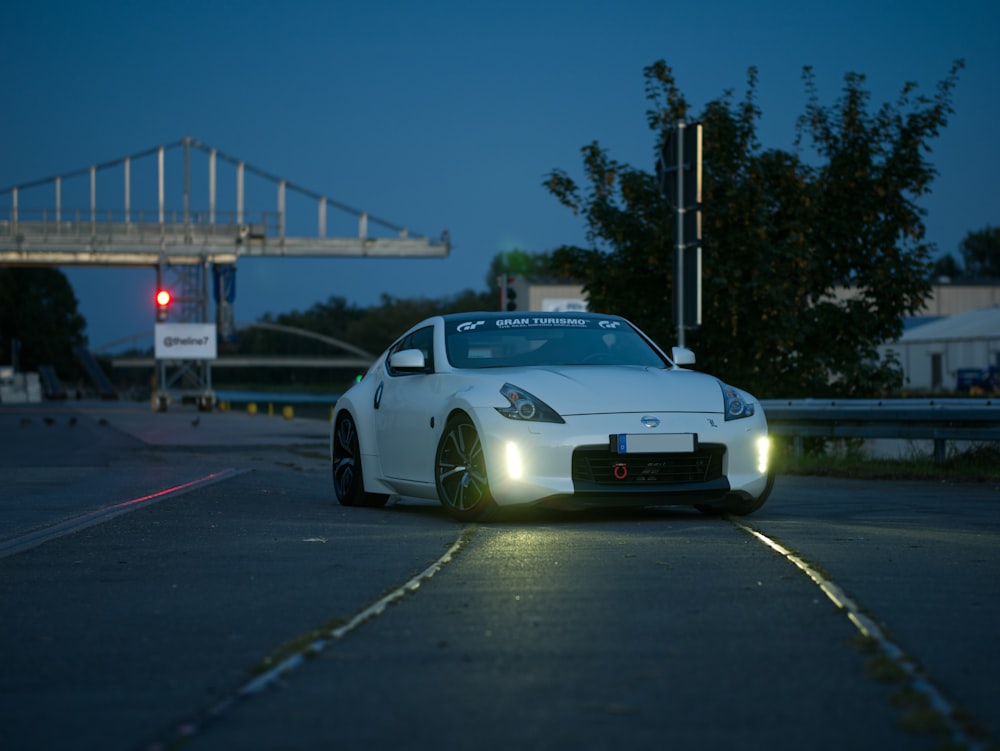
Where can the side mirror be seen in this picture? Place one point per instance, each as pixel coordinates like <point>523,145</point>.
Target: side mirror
<point>408,361</point>
<point>682,356</point>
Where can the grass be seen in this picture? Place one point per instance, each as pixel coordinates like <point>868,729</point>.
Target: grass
<point>980,463</point>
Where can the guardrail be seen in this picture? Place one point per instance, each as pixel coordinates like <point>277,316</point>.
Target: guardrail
<point>939,420</point>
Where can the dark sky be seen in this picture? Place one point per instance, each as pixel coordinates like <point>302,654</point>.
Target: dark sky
<point>448,115</point>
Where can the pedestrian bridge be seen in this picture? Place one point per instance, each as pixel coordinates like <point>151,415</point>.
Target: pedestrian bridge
<point>68,220</point>
<point>349,357</point>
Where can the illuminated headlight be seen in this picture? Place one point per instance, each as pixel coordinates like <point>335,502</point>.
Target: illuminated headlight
<point>763,454</point>
<point>514,468</point>
<point>524,406</point>
<point>735,404</point>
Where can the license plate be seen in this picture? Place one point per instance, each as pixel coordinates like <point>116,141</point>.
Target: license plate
<point>655,443</point>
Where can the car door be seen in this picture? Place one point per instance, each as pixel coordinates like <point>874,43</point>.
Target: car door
<point>403,410</point>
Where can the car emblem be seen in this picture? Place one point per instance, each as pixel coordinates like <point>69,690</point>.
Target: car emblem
<point>650,422</point>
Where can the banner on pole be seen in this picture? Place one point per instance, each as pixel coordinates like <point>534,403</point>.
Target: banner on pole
<point>185,341</point>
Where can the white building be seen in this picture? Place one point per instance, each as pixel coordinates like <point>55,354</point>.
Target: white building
<point>932,354</point>
<point>951,298</point>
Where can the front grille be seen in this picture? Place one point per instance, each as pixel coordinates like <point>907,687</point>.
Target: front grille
<point>596,465</point>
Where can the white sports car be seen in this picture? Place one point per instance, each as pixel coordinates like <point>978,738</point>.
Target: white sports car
<point>484,410</point>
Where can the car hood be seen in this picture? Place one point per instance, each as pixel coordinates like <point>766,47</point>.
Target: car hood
<point>595,390</point>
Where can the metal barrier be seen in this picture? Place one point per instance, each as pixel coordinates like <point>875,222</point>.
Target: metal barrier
<point>939,420</point>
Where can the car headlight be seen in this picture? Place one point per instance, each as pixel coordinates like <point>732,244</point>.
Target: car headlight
<point>735,404</point>
<point>524,406</point>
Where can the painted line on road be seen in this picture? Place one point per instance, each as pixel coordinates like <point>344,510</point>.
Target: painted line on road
<point>869,628</point>
<point>372,611</point>
<point>74,524</point>
<point>272,676</point>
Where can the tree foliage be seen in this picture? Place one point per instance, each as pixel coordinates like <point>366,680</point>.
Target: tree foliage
<point>39,310</point>
<point>946,267</point>
<point>535,266</point>
<point>371,329</point>
<point>783,237</point>
<point>981,253</point>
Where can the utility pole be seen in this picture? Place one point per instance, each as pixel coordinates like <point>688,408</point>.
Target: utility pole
<point>679,171</point>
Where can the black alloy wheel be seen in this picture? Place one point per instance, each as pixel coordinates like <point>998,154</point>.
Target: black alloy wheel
<point>460,472</point>
<point>348,479</point>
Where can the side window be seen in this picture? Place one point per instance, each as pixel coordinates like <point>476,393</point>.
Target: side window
<point>422,339</point>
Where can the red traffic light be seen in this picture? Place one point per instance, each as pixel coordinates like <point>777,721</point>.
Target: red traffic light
<point>163,298</point>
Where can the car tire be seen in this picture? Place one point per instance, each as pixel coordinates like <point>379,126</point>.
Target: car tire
<point>739,505</point>
<point>460,472</point>
<point>345,460</point>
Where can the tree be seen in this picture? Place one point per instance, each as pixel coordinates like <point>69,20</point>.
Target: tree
<point>39,310</point>
<point>372,328</point>
<point>534,266</point>
<point>946,267</point>
<point>517,261</point>
<point>806,268</point>
<point>981,253</point>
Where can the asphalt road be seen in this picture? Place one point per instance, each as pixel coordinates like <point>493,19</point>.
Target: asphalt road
<point>169,579</point>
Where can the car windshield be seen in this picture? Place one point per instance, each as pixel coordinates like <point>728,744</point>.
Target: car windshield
<point>547,341</point>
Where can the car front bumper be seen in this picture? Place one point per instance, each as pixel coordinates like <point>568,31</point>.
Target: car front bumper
<point>576,463</point>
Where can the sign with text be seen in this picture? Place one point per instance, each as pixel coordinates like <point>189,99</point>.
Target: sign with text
<point>563,305</point>
<point>186,341</point>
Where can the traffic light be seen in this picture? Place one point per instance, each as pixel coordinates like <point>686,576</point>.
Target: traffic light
<point>163,298</point>
<point>509,293</point>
